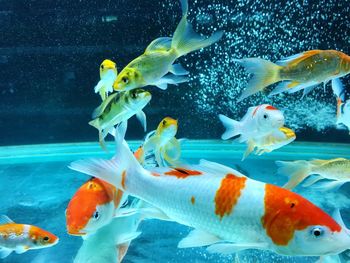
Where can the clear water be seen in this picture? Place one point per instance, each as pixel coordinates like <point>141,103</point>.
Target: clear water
<point>36,186</point>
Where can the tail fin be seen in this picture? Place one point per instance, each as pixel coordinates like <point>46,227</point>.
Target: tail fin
<point>186,40</point>
<point>113,171</point>
<point>265,74</point>
<point>233,127</point>
<point>296,171</point>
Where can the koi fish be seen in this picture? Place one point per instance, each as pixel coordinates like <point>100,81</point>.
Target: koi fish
<point>21,238</point>
<point>228,211</point>
<point>119,107</point>
<point>111,242</point>
<point>301,71</point>
<point>337,170</point>
<point>343,108</point>
<point>163,143</point>
<point>153,66</point>
<point>271,142</point>
<point>93,206</point>
<point>108,74</point>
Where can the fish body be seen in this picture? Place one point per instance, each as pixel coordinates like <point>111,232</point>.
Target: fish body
<point>337,170</point>
<point>93,206</point>
<point>151,68</point>
<point>163,144</point>
<point>343,107</point>
<point>118,108</point>
<point>257,124</point>
<point>229,211</point>
<point>21,237</point>
<point>270,142</point>
<point>301,71</point>
<point>108,74</point>
<point>110,243</point>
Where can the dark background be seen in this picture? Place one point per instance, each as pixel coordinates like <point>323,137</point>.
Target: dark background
<point>50,52</point>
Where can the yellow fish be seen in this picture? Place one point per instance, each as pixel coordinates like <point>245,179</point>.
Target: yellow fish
<point>163,143</point>
<point>152,66</point>
<point>302,71</point>
<point>108,74</point>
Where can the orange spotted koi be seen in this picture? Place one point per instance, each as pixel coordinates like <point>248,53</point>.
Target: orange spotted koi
<point>21,238</point>
<point>228,211</point>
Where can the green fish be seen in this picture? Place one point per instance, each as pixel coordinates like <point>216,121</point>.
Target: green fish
<point>117,108</point>
<point>153,66</point>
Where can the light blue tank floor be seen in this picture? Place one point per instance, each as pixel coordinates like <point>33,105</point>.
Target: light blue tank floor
<point>36,186</point>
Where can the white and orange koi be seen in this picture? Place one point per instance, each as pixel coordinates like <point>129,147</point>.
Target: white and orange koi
<point>110,243</point>
<point>21,238</point>
<point>93,206</point>
<point>343,107</point>
<point>229,211</point>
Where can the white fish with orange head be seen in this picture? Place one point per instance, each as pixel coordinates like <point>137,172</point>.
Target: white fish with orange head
<point>229,211</point>
<point>21,238</point>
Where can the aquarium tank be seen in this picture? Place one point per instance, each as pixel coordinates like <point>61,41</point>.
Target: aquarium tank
<point>174,131</point>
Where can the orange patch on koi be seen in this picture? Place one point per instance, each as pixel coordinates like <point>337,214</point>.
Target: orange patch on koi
<point>286,212</point>
<point>155,174</point>
<point>228,194</point>
<point>269,107</point>
<point>123,179</point>
<point>182,173</point>
<point>193,200</point>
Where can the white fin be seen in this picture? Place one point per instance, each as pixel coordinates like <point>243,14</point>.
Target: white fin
<point>162,86</point>
<point>311,180</point>
<point>285,61</point>
<point>328,185</point>
<point>161,43</point>
<point>5,252</point>
<point>21,250</point>
<point>186,40</point>
<point>329,259</point>
<point>5,220</point>
<point>307,90</point>
<point>283,86</point>
<point>338,88</point>
<point>141,116</point>
<point>216,168</point>
<point>264,73</point>
<point>233,128</point>
<point>250,149</point>
<point>154,213</point>
<point>231,248</point>
<point>297,171</point>
<point>198,238</point>
<point>163,82</point>
<point>178,69</point>
<point>127,237</point>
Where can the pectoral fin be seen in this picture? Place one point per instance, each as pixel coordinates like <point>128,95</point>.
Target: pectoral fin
<point>5,220</point>
<point>21,250</point>
<point>178,69</point>
<point>5,252</point>
<point>141,116</point>
<point>250,149</point>
<point>231,248</point>
<point>198,238</point>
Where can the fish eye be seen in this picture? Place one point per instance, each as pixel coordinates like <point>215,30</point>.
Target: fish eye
<point>164,122</point>
<point>96,215</point>
<point>265,116</point>
<point>102,67</point>
<point>125,80</point>
<point>133,95</point>
<point>317,231</point>
<point>46,238</point>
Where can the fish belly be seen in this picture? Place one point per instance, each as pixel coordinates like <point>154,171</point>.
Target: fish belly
<point>320,67</point>
<point>194,201</point>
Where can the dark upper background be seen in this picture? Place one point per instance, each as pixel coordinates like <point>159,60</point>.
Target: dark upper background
<point>50,52</point>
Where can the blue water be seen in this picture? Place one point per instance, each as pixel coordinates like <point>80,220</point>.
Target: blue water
<point>36,186</point>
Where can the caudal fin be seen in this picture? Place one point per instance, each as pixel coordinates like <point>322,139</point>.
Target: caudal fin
<point>296,171</point>
<point>186,40</point>
<point>233,127</point>
<point>264,73</point>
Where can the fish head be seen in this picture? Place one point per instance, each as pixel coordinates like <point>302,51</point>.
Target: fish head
<point>269,118</point>
<point>42,238</point>
<point>107,65</point>
<point>128,79</point>
<point>137,99</point>
<point>299,228</point>
<point>167,127</point>
<point>91,207</point>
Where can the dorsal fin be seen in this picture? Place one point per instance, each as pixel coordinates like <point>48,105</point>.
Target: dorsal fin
<point>161,43</point>
<point>5,220</point>
<point>294,59</point>
<point>216,168</point>
<point>100,109</point>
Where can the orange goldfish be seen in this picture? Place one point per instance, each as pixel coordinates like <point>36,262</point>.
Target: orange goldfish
<point>21,238</point>
<point>301,71</point>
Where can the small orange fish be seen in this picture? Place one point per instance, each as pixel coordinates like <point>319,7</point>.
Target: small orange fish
<point>21,238</point>
<point>301,71</point>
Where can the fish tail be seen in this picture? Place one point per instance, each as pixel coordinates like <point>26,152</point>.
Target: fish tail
<point>296,171</point>
<point>264,73</point>
<point>233,128</point>
<point>116,171</point>
<point>186,40</point>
